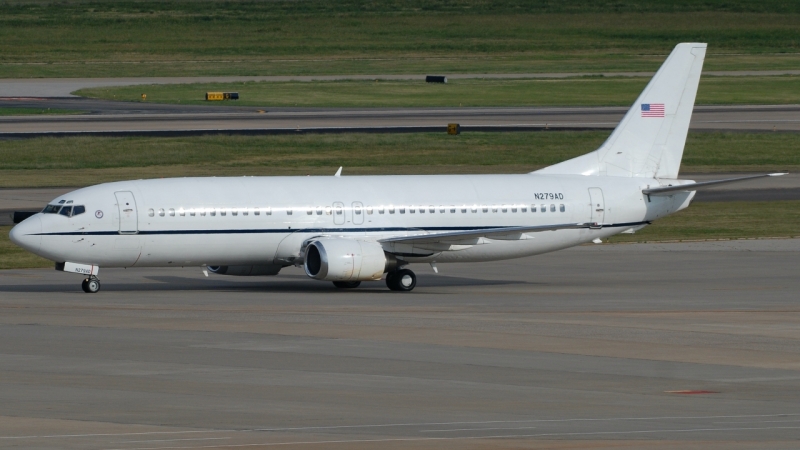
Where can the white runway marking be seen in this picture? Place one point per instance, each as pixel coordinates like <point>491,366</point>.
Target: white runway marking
<point>172,440</point>
<point>476,429</point>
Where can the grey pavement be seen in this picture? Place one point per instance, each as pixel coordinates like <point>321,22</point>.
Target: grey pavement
<point>691,345</point>
<point>64,87</point>
<point>144,118</point>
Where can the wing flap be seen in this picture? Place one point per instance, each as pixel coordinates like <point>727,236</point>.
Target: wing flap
<point>443,241</point>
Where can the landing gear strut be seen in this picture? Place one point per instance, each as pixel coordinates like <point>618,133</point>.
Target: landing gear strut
<point>347,284</point>
<point>91,285</point>
<point>402,280</point>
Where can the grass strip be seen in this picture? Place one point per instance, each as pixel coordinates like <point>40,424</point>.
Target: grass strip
<point>81,161</point>
<point>584,91</point>
<point>178,38</point>
<point>722,220</point>
<point>734,220</point>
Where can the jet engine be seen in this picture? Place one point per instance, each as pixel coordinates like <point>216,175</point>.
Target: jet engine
<point>245,271</point>
<point>347,260</point>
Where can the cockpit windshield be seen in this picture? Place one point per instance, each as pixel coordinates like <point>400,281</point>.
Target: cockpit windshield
<point>65,210</point>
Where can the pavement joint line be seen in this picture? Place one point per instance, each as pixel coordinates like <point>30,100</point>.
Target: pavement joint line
<point>411,424</point>
<point>510,436</point>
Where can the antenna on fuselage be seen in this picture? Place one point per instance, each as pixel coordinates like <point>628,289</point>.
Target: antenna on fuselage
<point>338,172</point>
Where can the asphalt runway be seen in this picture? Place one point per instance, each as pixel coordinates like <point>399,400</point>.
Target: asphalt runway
<point>141,118</point>
<point>667,346</point>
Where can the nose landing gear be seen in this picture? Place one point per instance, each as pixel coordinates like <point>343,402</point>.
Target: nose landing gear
<point>91,285</point>
<point>402,280</point>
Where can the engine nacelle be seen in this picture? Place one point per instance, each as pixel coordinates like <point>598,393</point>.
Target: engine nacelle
<point>334,259</point>
<point>245,271</point>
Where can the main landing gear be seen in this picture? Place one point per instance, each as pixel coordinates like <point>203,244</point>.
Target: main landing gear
<point>91,285</point>
<point>402,280</point>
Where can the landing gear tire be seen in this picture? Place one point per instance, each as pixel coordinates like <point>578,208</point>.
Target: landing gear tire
<point>347,284</point>
<point>402,280</point>
<point>90,285</point>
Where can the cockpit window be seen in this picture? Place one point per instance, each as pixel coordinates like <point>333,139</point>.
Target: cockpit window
<point>68,210</point>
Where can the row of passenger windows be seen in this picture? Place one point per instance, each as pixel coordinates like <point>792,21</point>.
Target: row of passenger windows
<point>65,208</point>
<point>369,210</point>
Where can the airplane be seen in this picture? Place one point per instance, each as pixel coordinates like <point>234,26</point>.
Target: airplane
<point>349,229</point>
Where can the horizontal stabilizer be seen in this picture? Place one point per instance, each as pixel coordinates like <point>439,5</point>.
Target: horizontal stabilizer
<point>669,190</point>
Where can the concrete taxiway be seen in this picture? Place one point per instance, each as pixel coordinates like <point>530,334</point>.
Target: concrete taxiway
<point>140,118</point>
<point>691,345</point>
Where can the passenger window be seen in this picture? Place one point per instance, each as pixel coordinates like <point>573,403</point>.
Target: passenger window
<point>380,210</point>
<point>213,212</point>
<point>202,212</point>
<point>523,208</point>
<point>513,208</point>
<point>268,211</point>
<point>544,208</point>
<point>357,210</point>
<point>402,210</point>
<point>474,208</point>
<point>182,212</point>
<point>223,212</point>
<point>80,209</point>
<point>494,208</point>
<point>161,212</point>
<point>431,209</point>
<point>191,212</point>
<point>441,209</point>
<point>552,208</point>
<point>369,210</point>
<point>504,208</point>
<point>319,210</point>
<point>289,211</point>
<point>234,212</point>
<point>256,212</point>
<point>562,207</point>
<point>309,211</point>
<point>533,208</point>
<point>452,209</point>
<point>151,213</point>
<point>391,209</point>
<point>412,209</point>
<point>172,212</point>
<point>245,212</point>
<point>66,211</point>
<point>422,210</point>
<point>464,209</point>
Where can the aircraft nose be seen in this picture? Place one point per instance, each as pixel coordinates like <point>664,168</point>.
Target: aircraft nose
<point>27,234</point>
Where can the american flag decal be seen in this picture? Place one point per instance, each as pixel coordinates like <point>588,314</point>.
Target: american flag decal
<point>652,110</point>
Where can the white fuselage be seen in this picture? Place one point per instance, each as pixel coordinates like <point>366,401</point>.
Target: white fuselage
<point>265,220</point>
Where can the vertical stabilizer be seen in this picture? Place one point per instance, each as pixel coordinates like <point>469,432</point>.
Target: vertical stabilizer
<point>649,140</point>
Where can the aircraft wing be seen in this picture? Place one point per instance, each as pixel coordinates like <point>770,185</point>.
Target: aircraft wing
<point>669,190</point>
<point>454,240</point>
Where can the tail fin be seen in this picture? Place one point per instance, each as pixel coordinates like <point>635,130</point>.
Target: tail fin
<point>649,140</point>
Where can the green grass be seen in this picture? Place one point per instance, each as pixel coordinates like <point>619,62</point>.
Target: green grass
<point>589,91</point>
<point>35,111</point>
<point>13,257</point>
<point>178,38</point>
<point>722,220</point>
<point>80,161</point>
<point>734,220</point>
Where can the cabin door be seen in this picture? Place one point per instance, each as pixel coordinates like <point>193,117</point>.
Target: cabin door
<point>128,216</point>
<point>598,206</point>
